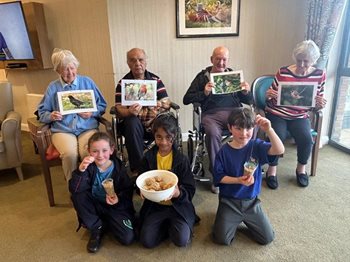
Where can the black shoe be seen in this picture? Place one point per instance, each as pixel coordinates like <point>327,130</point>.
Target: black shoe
<point>271,181</point>
<point>302,179</point>
<point>197,219</point>
<point>95,240</point>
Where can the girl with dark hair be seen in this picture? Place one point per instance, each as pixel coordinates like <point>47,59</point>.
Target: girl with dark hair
<point>174,217</point>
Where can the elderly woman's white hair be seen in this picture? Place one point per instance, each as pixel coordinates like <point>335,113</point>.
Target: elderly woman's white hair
<point>309,48</point>
<point>62,58</point>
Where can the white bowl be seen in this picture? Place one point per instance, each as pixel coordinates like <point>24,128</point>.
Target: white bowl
<point>157,196</point>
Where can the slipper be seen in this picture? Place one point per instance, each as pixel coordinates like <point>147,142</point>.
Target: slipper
<point>302,179</point>
<point>271,181</point>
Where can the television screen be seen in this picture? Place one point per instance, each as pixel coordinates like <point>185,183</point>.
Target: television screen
<point>14,39</point>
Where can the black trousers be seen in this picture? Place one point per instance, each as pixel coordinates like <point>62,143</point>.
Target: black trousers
<point>94,214</point>
<point>162,223</point>
<point>134,134</point>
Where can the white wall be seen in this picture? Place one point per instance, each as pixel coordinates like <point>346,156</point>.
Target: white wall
<point>100,32</point>
<point>269,30</point>
<point>82,27</point>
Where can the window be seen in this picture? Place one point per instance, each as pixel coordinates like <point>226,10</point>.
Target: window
<point>340,125</point>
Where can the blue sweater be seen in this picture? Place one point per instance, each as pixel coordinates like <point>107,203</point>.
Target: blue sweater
<point>229,162</point>
<point>71,123</point>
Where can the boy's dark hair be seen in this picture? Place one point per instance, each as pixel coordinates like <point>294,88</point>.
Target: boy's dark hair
<point>168,122</point>
<point>101,136</point>
<point>242,117</point>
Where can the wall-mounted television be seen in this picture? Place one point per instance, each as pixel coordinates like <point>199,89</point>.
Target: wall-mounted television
<point>29,46</point>
<point>14,38</point>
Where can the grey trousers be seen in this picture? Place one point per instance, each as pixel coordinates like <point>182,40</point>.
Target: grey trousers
<point>231,212</point>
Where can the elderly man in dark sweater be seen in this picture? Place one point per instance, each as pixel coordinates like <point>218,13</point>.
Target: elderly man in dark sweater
<point>215,107</point>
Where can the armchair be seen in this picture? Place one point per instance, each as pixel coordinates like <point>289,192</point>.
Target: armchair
<point>10,132</point>
<point>40,133</point>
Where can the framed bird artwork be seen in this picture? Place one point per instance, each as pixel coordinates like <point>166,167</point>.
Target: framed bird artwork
<point>77,101</point>
<point>143,92</point>
<point>300,94</point>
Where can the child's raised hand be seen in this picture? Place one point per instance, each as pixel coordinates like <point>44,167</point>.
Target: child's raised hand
<point>85,163</point>
<point>246,180</point>
<point>112,200</point>
<point>263,123</point>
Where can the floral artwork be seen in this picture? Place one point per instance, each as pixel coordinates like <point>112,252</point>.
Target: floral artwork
<point>198,18</point>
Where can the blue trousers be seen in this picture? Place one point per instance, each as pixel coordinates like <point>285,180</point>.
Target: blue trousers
<point>163,223</point>
<point>94,214</point>
<point>299,129</point>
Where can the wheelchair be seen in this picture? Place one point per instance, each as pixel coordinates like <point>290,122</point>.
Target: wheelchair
<point>196,149</point>
<point>149,142</point>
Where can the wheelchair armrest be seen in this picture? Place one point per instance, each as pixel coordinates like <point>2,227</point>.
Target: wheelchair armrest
<point>174,106</point>
<point>113,110</point>
<point>197,107</point>
<point>197,116</point>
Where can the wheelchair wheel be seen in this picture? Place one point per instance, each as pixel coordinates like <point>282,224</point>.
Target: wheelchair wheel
<point>190,149</point>
<point>198,170</point>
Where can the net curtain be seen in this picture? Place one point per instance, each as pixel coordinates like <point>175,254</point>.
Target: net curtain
<point>322,22</point>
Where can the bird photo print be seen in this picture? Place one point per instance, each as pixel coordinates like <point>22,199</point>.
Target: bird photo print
<point>142,92</point>
<point>76,101</point>
<point>297,94</point>
<point>227,82</point>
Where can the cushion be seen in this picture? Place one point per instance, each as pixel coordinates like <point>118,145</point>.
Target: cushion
<point>52,153</point>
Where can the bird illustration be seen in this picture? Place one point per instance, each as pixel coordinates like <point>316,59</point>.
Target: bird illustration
<point>75,101</point>
<point>295,94</point>
<point>142,92</point>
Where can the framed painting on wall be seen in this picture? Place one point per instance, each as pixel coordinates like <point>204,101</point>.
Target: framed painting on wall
<point>207,18</point>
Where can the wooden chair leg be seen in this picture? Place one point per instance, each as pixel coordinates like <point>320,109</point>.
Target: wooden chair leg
<point>314,158</point>
<point>316,145</point>
<point>19,173</point>
<point>48,182</point>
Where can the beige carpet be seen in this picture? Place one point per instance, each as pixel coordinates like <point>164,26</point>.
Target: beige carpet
<point>311,224</point>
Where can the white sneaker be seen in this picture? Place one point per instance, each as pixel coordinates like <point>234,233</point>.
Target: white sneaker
<point>215,189</point>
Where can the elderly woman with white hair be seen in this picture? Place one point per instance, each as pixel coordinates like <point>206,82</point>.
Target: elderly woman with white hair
<point>295,119</point>
<point>70,132</point>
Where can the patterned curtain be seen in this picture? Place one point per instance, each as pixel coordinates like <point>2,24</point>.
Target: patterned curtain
<point>322,23</point>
